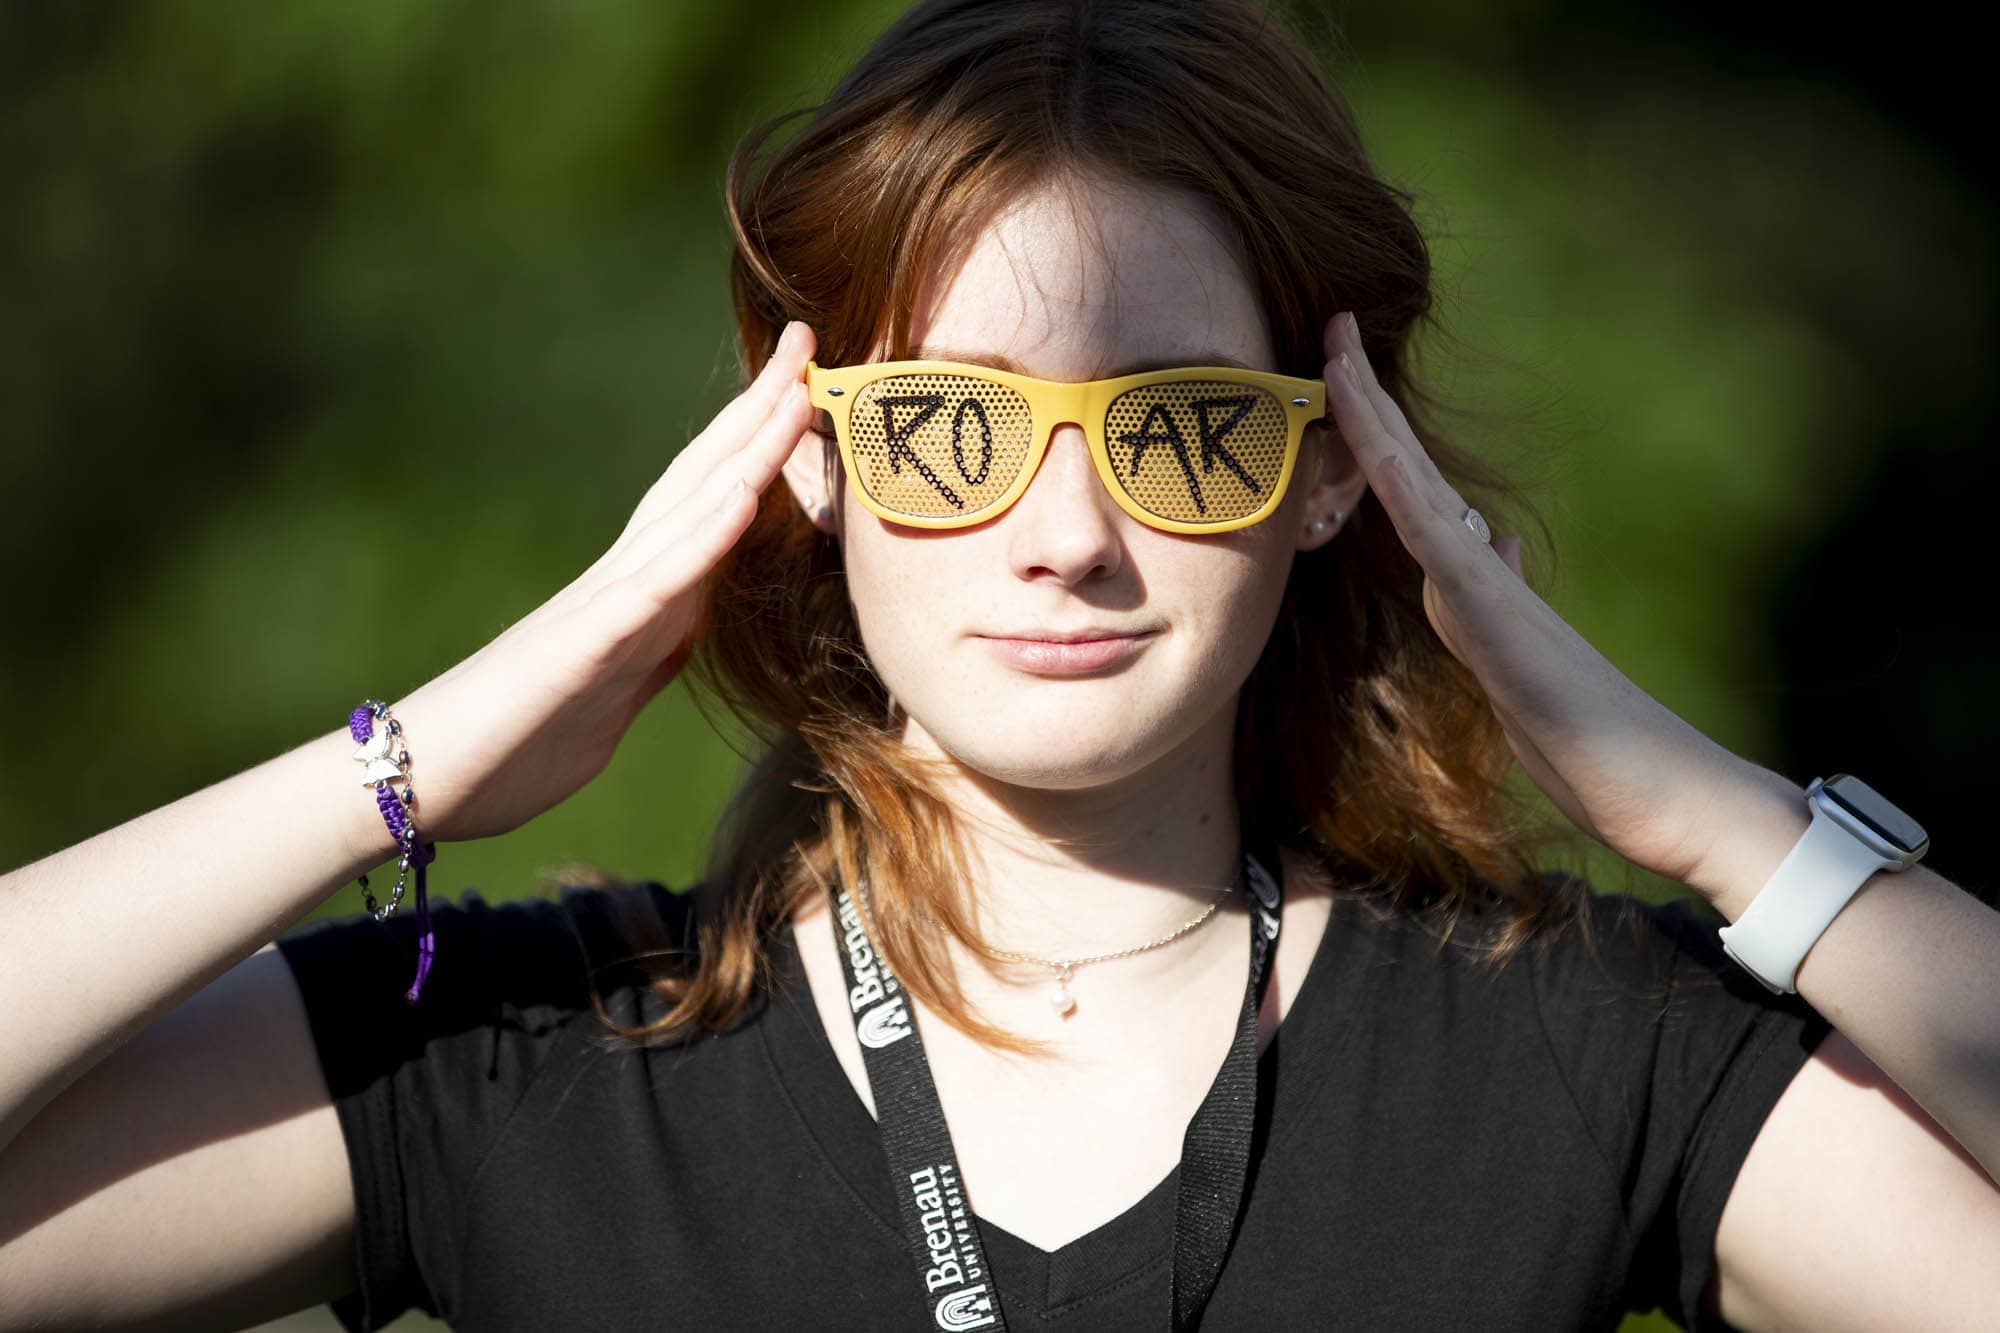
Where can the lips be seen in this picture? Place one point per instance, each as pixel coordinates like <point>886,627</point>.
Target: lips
<point>1039,634</point>
<point>1067,652</point>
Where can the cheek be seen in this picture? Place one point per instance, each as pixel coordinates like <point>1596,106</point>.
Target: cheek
<point>1226,611</point>
<point>906,594</point>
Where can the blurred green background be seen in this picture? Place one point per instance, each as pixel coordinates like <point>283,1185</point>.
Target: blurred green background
<point>339,335</point>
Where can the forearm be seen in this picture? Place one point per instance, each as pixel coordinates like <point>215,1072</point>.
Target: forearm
<point>1909,970</point>
<point>103,937</point>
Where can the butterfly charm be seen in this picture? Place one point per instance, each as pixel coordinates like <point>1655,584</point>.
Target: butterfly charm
<point>373,755</point>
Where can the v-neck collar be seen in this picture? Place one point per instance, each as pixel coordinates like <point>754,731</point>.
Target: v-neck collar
<point>1121,1248</point>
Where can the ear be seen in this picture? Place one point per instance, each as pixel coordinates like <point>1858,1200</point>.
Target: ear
<point>1335,484</point>
<point>813,485</point>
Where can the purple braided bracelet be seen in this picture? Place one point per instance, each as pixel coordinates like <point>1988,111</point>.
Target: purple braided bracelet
<point>380,769</point>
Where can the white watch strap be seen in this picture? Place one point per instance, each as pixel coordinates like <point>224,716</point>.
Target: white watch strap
<point>1825,868</point>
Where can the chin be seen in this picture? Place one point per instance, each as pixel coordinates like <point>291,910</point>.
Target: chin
<point>1071,745</point>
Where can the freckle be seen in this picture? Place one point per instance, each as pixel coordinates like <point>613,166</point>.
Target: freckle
<point>1204,819</point>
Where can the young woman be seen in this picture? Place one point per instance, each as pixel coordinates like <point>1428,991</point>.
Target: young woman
<point>1128,924</point>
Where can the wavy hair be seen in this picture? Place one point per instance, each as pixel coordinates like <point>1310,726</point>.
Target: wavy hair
<point>1360,741</point>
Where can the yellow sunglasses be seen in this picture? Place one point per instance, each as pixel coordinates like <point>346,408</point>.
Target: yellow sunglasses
<point>944,444</point>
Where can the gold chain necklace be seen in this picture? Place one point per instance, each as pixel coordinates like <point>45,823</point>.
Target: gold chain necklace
<point>1060,999</point>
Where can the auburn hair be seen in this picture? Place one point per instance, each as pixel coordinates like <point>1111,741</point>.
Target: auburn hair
<point>1361,742</point>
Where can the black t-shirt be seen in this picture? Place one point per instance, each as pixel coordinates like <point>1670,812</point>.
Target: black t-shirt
<point>1538,1150</point>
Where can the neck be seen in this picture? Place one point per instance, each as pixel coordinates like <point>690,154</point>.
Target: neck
<point>1073,873</point>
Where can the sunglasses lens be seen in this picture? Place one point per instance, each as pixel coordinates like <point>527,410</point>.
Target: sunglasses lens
<point>938,446</point>
<point>1198,451</point>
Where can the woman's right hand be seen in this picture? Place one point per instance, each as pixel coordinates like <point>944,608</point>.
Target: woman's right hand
<point>526,721</point>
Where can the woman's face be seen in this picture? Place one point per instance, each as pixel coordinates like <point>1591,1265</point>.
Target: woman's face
<point>1042,291</point>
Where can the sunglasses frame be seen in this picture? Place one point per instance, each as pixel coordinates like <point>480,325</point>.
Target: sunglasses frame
<point>1057,402</point>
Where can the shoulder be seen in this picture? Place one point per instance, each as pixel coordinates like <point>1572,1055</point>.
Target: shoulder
<point>1599,973</point>
<point>533,951</point>
<point>1665,954</point>
<point>1576,936</point>
<point>624,927</point>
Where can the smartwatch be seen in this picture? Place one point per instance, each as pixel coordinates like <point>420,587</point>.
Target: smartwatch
<point>1855,832</point>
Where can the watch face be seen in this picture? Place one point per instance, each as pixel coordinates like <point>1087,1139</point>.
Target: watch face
<point>1872,809</point>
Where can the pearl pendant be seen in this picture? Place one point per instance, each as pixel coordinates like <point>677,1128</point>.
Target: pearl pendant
<point>1060,998</point>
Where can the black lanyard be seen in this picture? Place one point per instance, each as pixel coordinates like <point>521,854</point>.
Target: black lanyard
<point>958,1289</point>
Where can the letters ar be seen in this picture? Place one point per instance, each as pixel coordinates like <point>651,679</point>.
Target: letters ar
<point>1168,432</point>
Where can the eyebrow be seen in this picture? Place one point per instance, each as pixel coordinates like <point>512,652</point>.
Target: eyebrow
<point>997,361</point>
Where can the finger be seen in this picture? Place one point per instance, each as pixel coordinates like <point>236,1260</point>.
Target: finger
<point>760,459</point>
<point>727,431</point>
<point>1345,337</point>
<point>785,366</point>
<point>1508,548</point>
<point>1419,519</point>
<point>1419,467</point>
<point>633,601</point>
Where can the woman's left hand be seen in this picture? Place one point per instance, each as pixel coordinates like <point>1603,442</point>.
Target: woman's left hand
<point>1623,767</point>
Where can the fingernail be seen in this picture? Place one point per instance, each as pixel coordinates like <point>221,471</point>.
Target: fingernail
<point>1348,366</point>
<point>1353,326</point>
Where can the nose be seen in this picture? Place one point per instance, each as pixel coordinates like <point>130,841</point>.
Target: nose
<point>1064,525</point>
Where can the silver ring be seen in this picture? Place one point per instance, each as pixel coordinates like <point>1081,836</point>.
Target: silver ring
<point>1478,525</point>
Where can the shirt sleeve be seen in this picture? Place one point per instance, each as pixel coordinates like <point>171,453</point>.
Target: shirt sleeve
<point>423,1090</point>
<point>1675,1056</point>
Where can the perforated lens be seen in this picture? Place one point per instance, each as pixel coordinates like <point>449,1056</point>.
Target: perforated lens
<point>950,446</point>
<point>936,446</point>
<point>1197,451</point>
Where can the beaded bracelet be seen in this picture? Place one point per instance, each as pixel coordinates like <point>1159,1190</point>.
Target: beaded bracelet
<point>379,769</point>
